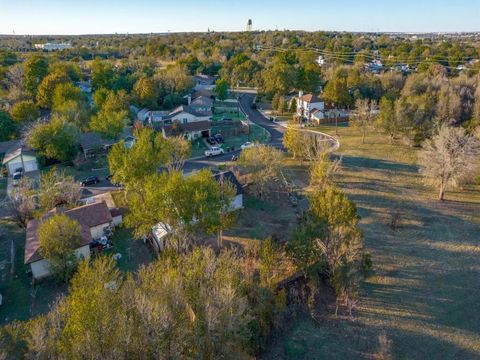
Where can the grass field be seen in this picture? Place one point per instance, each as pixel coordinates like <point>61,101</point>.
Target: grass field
<point>423,294</point>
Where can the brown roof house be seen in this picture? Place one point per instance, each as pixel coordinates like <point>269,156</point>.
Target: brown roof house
<point>93,219</point>
<point>307,104</point>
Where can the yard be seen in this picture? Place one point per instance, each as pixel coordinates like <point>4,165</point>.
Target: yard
<point>227,110</point>
<point>257,134</point>
<point>423,294</point>
<point>95,166</point>
<point>21,299</point>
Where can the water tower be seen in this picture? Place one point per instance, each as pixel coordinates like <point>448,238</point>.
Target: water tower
<point>249,25</point>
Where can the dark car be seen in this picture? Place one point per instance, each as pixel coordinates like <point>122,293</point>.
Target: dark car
<point>211,140</point>
<point>17,175</point>
<point>91,180</point>
<point>219,138</point>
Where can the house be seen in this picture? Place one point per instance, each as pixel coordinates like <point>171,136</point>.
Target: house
<point>92,142</point>
<point>204,82</point>
<point>307,103</point>
<point>94,219</point>
<point>117,214</point>
<point>17,156</point>
<point>190,131</point>
<point>52,46</point>
<point>329,115</point>
<point>201,104</point>
<point>203,92</point>
<point>237,201</point>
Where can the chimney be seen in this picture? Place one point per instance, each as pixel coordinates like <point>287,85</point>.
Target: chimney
<point>300,94</point>
<point>189,99</point>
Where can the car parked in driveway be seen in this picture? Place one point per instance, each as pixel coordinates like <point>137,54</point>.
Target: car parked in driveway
<point>247,145</point>
<point>91,180</point>
<point>214,151</point>
<point>17,175</point>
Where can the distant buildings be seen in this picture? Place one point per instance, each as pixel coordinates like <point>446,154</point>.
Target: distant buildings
<point>53,46</point>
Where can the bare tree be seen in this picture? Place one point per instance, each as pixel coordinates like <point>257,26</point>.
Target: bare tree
<point>449,158</point>
<point>264,165</point>
<point>364,116</point>
<point>21,202</point>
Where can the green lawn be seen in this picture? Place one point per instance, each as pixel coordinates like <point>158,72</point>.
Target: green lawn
<point>198,148</point>
<point>21,299</point>
<point>97,166</point>
<point>425,287</point>
<point>135,253</point>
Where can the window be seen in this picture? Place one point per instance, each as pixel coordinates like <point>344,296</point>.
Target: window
<point>185,120</point>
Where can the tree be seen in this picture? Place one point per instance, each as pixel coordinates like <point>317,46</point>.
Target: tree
<point>449,158</point>
<point>131,167</point>
<point>175,151</point>
<point>25,111</point>
<point>55,140</point>
<point>364,117</point>
<point>293,105</point>
<point>386,120</point>
<point>73,112</point>
<point>7,127</point>
<point>36,68</point>
<point>94,309</point>
<point>221,89</point>
<point>323,170</point>
<point>21,203</point>
<point>103,75</point>
<point>264,165</point>
<point>269,258</point>
<point>67,91</point>
<point>59,236</point>
<point>47,87</point>
<point>225,217</point>
<point>281,75</point>
<point>109,124</point>
<point>146,92</point>
<point>336,91</point>
<point>293,140</point>
<point>187,205</point>
<point>56,188</point>
<point>282,105</point>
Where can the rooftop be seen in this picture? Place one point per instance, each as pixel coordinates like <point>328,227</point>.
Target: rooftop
<point>88,216</point>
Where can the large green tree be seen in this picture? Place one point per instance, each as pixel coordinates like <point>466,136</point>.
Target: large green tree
<point>35,69</point>
<point>25,111</point>
<point>55,140</point>
<point>59,236</point>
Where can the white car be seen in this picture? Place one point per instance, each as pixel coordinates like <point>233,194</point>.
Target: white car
<point>247,145</point>
<point>215,150</point>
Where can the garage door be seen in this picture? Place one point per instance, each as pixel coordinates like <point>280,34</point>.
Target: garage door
<point>31,165</point>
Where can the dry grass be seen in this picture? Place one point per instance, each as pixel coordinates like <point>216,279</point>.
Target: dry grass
<point>423,294</point>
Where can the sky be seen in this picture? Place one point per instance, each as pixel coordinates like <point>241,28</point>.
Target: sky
<point>32,17</point>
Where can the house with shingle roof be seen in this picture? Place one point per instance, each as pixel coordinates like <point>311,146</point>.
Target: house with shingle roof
<point>307,104</point>
<point>93,219</point>
<point>18,156</point>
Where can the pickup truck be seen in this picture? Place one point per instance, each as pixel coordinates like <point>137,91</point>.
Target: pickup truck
<point>214,151</point>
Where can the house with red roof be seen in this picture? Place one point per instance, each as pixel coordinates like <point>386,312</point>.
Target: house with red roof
<point>94,219</point>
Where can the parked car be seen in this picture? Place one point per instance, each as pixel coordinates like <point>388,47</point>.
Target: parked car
<point>214,151</point>
<point>91,180</point>
<point>109,178</point>
<point>211,140</point>
<point>219,138</point>
<point>17,175</point>
<point>247,145</point>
